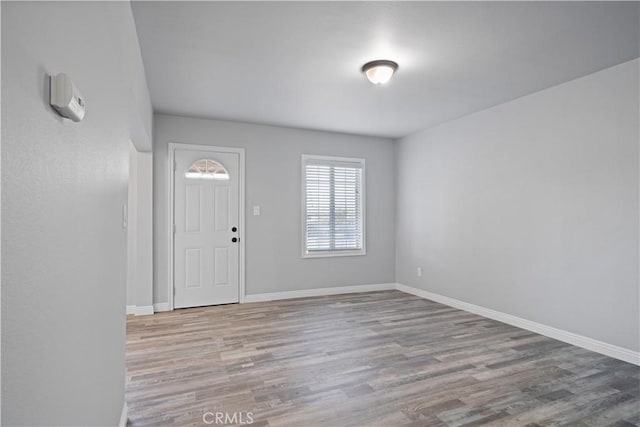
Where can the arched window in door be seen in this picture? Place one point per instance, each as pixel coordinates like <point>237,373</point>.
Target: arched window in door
<point>206,169</point>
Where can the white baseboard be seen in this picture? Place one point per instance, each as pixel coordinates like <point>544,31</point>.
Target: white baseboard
<point>140,310</point>
<point>147,309</point>
<point>123,416</point>
<point>601,347</point>
<point>318,292</point>
<point>162,306</point>
<point>144,310</point>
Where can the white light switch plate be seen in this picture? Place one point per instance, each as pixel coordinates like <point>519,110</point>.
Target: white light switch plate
<point>256,210</point>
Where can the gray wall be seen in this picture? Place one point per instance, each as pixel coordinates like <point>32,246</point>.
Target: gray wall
<point>140,229</point>
<point>273,240</point>
<point>132,228</point>
<point>144,228</point>
<point>63,187</point>
<point>531,207</point>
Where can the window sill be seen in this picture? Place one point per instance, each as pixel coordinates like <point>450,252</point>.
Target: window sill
<point>332,254</point>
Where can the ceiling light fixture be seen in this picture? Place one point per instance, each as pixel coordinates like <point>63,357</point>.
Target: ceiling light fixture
<point>380,71</point>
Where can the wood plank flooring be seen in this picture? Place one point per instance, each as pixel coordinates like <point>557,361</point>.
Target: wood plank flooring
<point>372,359</point>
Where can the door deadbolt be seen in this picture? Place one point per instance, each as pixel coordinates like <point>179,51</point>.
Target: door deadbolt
<point>234,229</point>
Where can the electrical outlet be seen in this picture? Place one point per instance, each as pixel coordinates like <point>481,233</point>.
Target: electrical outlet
<point>419,272</point>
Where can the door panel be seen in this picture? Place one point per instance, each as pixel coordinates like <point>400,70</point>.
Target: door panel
<point>192,207</point>
<point>221,265</point>
<point>193,270</point>
<point>206,261</point>
<point>222,209</point>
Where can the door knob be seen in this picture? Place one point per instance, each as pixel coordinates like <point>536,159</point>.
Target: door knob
<point>234,239</point>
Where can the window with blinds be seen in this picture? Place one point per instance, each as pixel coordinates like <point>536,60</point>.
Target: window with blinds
<point>333,206</point>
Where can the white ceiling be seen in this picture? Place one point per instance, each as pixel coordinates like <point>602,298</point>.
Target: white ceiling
<point>298,63</point>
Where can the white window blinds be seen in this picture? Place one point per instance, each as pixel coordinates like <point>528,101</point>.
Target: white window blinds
<point>333,206</point>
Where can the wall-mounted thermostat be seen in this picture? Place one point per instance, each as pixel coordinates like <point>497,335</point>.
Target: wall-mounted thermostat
<point>66,98</point>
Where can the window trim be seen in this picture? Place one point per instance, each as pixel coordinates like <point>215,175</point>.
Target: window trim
<point>363,191</point>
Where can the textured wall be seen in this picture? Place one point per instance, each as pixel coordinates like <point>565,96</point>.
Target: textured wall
<point>63,187</point>
<point>531,207</point>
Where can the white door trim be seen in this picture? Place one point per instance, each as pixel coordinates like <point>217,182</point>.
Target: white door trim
<point>241,183</point>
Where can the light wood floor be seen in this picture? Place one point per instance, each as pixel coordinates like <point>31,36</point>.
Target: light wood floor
<point>375,359</point>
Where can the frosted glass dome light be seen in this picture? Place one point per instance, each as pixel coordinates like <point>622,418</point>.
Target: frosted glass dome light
<point>379,72</point>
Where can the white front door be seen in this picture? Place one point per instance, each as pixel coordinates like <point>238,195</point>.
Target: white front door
<point>206,241</point>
